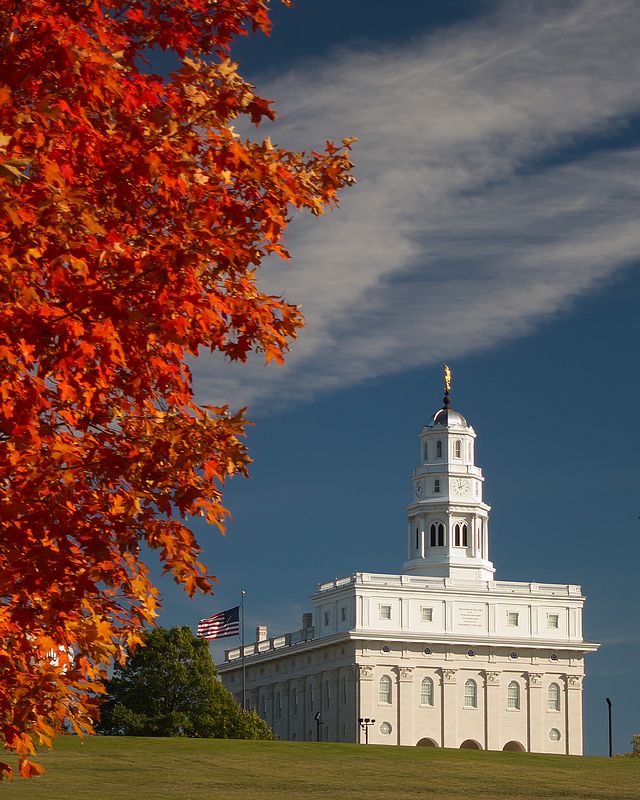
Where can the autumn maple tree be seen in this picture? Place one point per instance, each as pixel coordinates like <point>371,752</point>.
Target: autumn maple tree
<point>133,219</point>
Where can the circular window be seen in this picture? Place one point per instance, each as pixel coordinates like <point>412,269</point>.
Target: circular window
<point>471,653</point>
<point>427,651</point>
<point>554,657</point>
<point>554,735</point>
<point>513,655</point>
<point>386,649</point>
<point>385,728</point>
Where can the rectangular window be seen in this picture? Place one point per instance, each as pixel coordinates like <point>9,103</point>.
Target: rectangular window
<point>326,617</point>
<point>343,614</point>
<point>385,612</point>
<point>436,486</point>
<point>512,618</point>
<point>553,620</point>
<point>427,614</point>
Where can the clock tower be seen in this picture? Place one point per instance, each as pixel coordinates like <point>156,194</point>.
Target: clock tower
<point>448,519</point>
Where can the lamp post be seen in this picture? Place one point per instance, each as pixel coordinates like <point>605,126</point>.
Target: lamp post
<point>365,722</point>
<point>610,744</point>
<point>318,724</point>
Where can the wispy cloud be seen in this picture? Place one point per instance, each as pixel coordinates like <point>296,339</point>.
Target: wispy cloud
<point>476,215</point>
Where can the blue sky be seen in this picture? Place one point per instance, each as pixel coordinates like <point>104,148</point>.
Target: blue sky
<point>495,226</point>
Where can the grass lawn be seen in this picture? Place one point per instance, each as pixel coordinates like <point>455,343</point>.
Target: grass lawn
<point>119,768</point>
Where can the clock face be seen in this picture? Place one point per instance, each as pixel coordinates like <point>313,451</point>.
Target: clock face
<point>461,486</point>
<point>419,488</point>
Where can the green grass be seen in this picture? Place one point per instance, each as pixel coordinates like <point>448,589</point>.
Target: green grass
<point>113,768</point>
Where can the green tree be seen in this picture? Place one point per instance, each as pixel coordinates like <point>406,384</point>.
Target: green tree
<point>168,687</point>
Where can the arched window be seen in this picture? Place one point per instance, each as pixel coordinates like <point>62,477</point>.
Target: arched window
<point>434,529</point>
<point>417,538</point>
<point>426,692</point>
<point>553,697</point>
<point>436,486</point>
<point>310,697</point>
<point>513,695</point>
<point>425,451</point>
<point>456,531</point>
<point>344,691</point>
<point>327,695</point>
<point>294,702</point>
<point>278,706</point>
<point>384,690</point>
<point>465,539</point>
<point>440,535</point>
<point>458,449</point>
<point>438,449</point>
<point>470,694</point>
<point>263,707</point>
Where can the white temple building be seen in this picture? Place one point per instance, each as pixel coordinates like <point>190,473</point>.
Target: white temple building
<point>440,655</point>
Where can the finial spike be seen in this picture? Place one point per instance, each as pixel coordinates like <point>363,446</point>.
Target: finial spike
<point>447,386</point>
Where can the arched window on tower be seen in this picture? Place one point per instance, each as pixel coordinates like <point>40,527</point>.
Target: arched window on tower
<point>426,692</point>
<point>553,697</point>
<point>417,538</point>
<point>456,532</point>
<point>434,533</point>
<point>470,694</point>
<point>513,695</point>
<point>384,690</point>
<point>425,452</point>
<point>438,449</point>
<point>440,535</point>
<point>458,448</point>
<point>465,538</point>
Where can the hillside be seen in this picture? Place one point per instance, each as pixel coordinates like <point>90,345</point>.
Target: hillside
<point>111,768</point>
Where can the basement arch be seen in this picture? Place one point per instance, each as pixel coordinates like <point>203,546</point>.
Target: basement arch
<point>470,744</point>
<point>426,742</point>
<point>514,747</point>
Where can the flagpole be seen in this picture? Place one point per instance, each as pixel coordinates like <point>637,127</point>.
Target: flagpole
<point>244,677</point>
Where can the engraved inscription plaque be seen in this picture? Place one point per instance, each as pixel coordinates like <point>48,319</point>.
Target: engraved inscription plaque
<point>469,616</point>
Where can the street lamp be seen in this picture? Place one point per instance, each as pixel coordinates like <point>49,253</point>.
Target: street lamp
<point>610,747</point>
<point>318,724</point>
<point>364,724</point>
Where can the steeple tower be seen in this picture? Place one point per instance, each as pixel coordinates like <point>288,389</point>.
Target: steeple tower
<point>448,520</point>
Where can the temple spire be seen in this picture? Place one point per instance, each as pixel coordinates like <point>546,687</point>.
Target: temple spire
<point>447,386</point>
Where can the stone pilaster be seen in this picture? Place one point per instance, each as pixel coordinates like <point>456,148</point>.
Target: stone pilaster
<point>449,708</point>
<point>573,706</point>
<point>535,712</point>
<point>405,705</point>
<point>366,706</point>
<point>492,710</point>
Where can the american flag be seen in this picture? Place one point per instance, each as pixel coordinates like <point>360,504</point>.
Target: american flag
<point>226,623</point>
